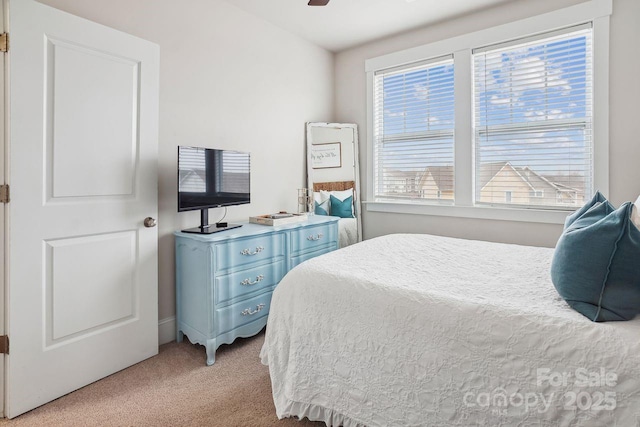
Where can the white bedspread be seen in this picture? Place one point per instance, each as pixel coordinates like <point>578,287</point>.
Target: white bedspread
<point>409,330</point>
<point>347,232</point>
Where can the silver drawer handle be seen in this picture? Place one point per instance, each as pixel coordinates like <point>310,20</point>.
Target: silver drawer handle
<point>312,237</point>
<point>259,278</point>
<point>248,312</point>
<point>248,251</point>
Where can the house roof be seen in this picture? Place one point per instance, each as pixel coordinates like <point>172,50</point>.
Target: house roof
<point>535,181</point>
<point>568,182</point>
<point>444,177</point>
<point>489,170</point>
<point>539,182</point>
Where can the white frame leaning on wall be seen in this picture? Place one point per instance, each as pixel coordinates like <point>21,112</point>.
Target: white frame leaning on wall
<point>595,11</point>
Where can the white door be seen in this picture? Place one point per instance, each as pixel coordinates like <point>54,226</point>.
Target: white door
<point>82,267</point>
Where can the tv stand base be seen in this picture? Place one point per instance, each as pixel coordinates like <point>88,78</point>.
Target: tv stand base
<point>210,229</point>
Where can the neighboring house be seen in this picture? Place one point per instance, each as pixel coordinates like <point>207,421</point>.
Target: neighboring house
<point>504,183</point>
<point>437,183</point>
<point>401,183</point>
<point>501,182</point>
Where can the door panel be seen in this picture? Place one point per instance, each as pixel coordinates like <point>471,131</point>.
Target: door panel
<point>79,301</point>
<point>82,288</point>
<point>74,69</point>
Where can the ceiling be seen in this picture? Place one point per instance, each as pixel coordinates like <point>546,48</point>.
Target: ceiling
<point>346,23</point>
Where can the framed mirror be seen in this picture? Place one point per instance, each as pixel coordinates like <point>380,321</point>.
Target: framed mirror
<point>333,176</point>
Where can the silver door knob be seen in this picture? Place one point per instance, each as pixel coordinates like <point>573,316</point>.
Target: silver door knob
<point>150,222</point>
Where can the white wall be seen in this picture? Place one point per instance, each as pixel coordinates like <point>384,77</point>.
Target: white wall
<point>227,80</point>
<point>624,127</point>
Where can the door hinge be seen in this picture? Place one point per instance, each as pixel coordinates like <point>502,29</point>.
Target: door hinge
<point>4,42</point>
<point>4,344</point>
<point>4,193</point>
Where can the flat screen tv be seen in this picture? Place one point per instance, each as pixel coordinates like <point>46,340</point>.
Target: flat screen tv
<point>212,178</point>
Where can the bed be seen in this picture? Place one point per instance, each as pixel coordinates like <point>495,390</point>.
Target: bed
<point>420,330</point>
<point>347,227</point>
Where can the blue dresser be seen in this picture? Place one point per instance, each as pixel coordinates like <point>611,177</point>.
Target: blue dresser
<point>224,280</point>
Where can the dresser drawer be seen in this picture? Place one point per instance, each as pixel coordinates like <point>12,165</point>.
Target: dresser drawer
<point>240,283</point>
<point>314,238</point>
<point>241,313</point>
<point>243,252</point>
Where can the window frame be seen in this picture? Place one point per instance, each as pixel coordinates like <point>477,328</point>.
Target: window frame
<point>595,11</point>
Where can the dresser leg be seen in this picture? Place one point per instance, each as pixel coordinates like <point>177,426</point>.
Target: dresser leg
<point>180,336</point>
<point>211,351</point>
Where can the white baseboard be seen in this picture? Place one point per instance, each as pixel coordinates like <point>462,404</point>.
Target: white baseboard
<point>167,330</point>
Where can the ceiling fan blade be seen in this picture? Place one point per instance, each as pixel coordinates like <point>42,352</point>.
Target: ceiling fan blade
<point>318,2</point>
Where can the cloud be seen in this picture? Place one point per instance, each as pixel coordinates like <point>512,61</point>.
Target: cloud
<point>395,114</point>
<point>529,85</point>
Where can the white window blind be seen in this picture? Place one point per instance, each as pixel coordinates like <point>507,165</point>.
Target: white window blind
<point>533,121</point>
<point>413,131</point>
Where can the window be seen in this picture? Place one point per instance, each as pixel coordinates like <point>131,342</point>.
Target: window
<point>414,127</point>
<point>505,123</point>
<point>533,119</point>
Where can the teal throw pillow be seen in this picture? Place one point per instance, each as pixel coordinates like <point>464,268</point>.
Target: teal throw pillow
<point>321,208</point>
<point>596,263</point>
<point>342,208</point>
<point>321,202</point>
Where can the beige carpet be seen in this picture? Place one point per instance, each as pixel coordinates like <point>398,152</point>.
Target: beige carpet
<point>175,388</point>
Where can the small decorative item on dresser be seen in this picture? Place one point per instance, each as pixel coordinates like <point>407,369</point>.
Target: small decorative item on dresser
<point>305,201</point>
<point>279,218</point>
